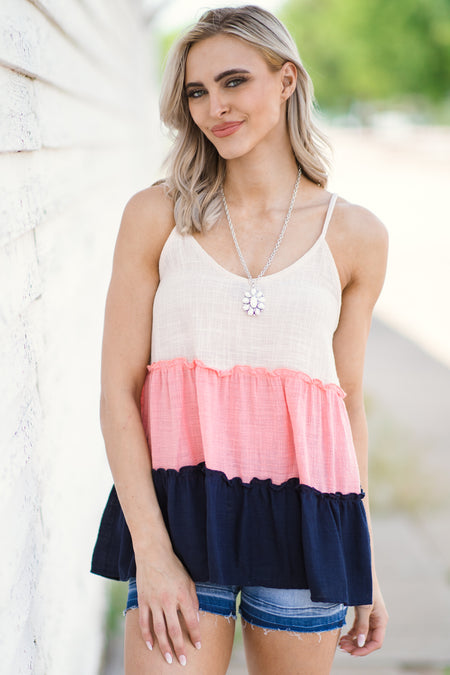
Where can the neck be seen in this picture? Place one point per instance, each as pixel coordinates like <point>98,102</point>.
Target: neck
<point>261,180</point>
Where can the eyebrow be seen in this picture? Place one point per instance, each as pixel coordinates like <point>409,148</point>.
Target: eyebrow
<point>220,76</point>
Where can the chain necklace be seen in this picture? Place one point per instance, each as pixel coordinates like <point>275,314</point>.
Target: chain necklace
<point>254,301</point>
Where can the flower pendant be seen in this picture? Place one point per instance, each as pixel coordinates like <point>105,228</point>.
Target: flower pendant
<point>253,302</point>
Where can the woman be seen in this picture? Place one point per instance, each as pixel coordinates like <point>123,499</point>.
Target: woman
<point>237,462</point>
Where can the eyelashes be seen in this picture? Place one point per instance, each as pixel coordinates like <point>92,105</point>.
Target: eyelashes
<point>195,93</point>
<point>236,81</point>
<point>230,84</point>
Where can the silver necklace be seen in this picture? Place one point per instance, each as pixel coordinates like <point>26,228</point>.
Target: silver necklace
<point>254,301</point>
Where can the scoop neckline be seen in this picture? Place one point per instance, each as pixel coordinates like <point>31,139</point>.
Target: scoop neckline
<point>296,262</point>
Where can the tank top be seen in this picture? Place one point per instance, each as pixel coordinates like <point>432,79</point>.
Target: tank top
<point>253,459</point>
<point>197,311</point>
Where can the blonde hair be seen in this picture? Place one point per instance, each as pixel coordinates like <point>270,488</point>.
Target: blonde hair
<point>195,168</point>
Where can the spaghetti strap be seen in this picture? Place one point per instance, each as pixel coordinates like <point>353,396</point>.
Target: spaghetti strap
<point>329,214</point>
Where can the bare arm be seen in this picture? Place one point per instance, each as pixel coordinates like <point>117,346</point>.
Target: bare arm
<point>367,250</point>
<point>164,586</point>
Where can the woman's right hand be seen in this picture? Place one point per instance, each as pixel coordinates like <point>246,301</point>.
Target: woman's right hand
<point>166,593</point>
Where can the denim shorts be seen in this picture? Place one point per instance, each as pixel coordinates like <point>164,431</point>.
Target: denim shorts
<point>270,608</point>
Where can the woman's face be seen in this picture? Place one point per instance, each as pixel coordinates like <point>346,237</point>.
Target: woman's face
<point>234,98</point>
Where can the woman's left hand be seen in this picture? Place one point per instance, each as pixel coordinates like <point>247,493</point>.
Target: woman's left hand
<point>369,627</point>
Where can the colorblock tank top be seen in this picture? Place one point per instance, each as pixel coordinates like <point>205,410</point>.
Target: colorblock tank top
<point>253,459</point>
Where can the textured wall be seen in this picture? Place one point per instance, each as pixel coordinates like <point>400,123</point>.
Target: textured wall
<point>78,135</point>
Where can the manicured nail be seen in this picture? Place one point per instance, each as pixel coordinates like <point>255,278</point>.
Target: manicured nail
<point>198,645</point>
<point>168,657</point>
<point>183,660</point>
<point>361,640</point>
<point>149,645</point>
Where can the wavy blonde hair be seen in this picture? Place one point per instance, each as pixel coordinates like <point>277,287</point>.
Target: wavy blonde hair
<point>195,170</point>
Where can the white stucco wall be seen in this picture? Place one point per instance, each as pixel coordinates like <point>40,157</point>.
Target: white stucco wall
<point>78,135</point>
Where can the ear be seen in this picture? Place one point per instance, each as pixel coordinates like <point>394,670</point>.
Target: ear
<point>288,75</point>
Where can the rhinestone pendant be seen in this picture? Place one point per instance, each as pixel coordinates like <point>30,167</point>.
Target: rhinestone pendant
<point>253,301</point>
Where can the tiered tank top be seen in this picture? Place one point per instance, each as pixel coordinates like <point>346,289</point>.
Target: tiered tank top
<point>253,459</point>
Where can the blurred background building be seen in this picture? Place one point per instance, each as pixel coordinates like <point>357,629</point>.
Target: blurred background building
<point>79,134</point>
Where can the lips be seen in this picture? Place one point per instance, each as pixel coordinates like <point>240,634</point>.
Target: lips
<point>227,129</point>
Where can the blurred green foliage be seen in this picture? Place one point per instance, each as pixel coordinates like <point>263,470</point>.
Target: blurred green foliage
<point>118,592</point>
<point>165,41</point>
<point>371,50</point>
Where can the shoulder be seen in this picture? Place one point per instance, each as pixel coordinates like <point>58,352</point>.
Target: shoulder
<point>147,221</point>
<point>149,213</point>
<point>365,240</point>
<point>360,226</point>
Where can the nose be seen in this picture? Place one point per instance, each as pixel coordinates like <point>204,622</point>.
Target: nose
<point>218,105</point>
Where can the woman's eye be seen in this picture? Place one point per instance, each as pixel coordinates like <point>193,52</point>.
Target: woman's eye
<point>235,81</point>
<point>195,93</point>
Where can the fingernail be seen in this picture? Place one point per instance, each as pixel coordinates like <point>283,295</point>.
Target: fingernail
<point>183,660</point>
<point>168,657</point>
<point>361,640</point>
<point>198,617</point>
<point>198,645</point>
<point>149,645</point>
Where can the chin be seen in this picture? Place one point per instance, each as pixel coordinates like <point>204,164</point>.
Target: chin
<point>230,155</point>
<point>234,151</point>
